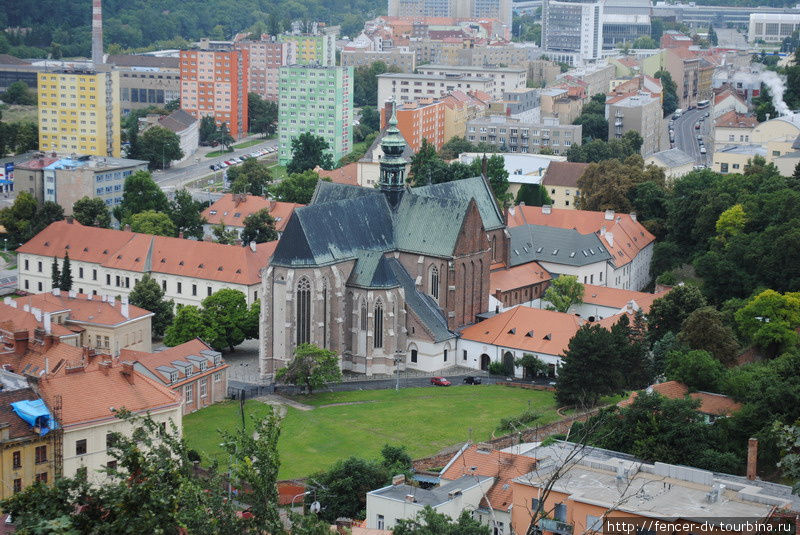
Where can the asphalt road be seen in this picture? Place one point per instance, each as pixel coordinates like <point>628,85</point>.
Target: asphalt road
<point>178,177</point>
<point>686,135</point>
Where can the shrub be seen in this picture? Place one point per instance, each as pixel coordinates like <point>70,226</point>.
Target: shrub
<point>497,368</point>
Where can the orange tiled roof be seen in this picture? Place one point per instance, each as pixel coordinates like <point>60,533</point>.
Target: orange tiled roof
<point>526,329</point>
<point>617,297</point>
<point>89,393</point>
<point>231,209</point>
<point>563,174</point>
<point>17,318</point>
<point>344,175</point>
<point>710,403</point>
<point>130,251</point>
<point>83,308</point>
<point>493,463</point>
<point>152,361</point>
<point>734,119</point>
<point>518,277</point>
<point>722,95</point>
<point>629,236</point>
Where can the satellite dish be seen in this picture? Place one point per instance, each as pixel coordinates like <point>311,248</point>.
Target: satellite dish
<point>314,507</point>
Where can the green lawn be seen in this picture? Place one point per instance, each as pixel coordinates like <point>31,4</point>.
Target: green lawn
<point>249,143</point>
<point>215,153</point>
<point>425,420</point>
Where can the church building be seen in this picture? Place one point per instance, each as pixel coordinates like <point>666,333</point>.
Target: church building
<point>382,275</point>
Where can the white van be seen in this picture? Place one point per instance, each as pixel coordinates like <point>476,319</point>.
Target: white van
<point>677,113</point>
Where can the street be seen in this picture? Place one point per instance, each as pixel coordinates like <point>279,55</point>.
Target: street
<point>686,135</point>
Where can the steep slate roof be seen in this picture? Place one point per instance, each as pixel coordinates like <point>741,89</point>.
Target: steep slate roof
<point>372,271</point>
<point>466,189</point>
<point>422,305</point>
<point>326,192</point>
<point>557,245</point>
<point>428,225</point>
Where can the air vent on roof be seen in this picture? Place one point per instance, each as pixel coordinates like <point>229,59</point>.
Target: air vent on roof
<point>213,212</point>
<point>137,259</point>
<point>516,252</point>
<point>219,268</point>
<point>105,251</point>
<point>513,331</point>
<point>180,263</point>
<point>201,266</point>
<point>529,334</point>
<point>85,249</point>
<point>163,260</point>
<point>46,243</point>
<point>119,257</point>
<point>66,246</point>
<point>539,250</point>
<point>525,248</point>
<point>591,251</point>
<point>572,254</point>
<point>555,251</point>
<point>238,271</point>
<point>548,336</point>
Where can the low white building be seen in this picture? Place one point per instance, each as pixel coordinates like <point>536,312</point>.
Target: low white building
<point>522,168</point>
<point>600,302</point>
<point>674,162</point>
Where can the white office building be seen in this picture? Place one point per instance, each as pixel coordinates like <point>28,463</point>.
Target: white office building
<point>572,30</point>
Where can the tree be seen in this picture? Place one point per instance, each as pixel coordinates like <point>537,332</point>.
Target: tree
<point>55,274</point>
<point>152,222</point>
<point>453,147</point>
<point>343,488</point>
<point>533,365</point>
<point>189,324</point>
<point>207,130</point>
<point>365,83</point>
<point>308,152</point>
<point>91,212</point>
<point>422,161</point>
<point>696,369</point>
<point>731,223</point>
<point>770,320</point>
<point>311,367</point>
<point>224,137</point>
<point>297,187</point>
<point>430,522</point>
<point>224,235</point>
<point>140,194</point>
<point>712,36</point>
<point>593,119</point>
<point>563,292</point>
<point>533,195</point>
<point>225,313</point>
<point>262,115</point>
<point>18,93</point>
<point>789,442</point>
<point>65,282</point>
<point>19,219</point>
<point>704,329</point>
<point>251,177</point>
<point>184,212</point>
<point>588,368</point>
<point>670,97</point>
<point>669,312</point>
<point>611,184</point>
<point>259,227</point>
<point>644,42</point>
<point>149,295</point>
<point>159,147</point>
<point>396,460</point>
<point>497,175</point>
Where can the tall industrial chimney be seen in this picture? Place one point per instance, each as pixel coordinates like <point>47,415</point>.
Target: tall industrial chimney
<point>97,32</point>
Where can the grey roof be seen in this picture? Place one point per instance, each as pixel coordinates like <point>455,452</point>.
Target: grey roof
<point>177,121</point>
<point>138,60</point>
<point>423,305</point>
<point>372,271</point>
<point>673,157</point>
<point>428,225</point>
<point>466,189</point>
<point>326,192</point>
<point>557,245</point>
<point>435,496</point>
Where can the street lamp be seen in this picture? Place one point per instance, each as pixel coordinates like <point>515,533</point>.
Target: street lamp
<point>306,493</point>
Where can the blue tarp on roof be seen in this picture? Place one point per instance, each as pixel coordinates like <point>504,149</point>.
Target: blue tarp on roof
<point>36,413</point>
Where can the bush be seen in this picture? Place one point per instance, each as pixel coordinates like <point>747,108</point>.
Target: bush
<point>497,368</point>
<point>513,423</point>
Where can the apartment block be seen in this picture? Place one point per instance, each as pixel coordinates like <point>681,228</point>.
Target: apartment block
<point>495,9</point>
<point>79,112</point>
<point>215,83</point>
<point>146,80</point>
<point>313,49</point>
<point>504,78</point>
<point>404,60</point>
<point>572,32</point>
<point>640,112</point>
<point>418,120</point>
<point>513,135</point>
<point>407,87</point>
<point>318,100</point>
<point>266,58</point>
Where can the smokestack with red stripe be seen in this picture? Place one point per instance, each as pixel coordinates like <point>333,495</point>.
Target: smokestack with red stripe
<point>97,32</point>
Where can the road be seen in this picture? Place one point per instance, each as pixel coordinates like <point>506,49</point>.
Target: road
<point>686,135</point>
<point>180,175</point>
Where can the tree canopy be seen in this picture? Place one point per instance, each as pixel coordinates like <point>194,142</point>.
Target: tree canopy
<point>149,295</point>
<point>297,187</point>
<point>311,367</point>
<point>259,227</point>
<point>251,177</point>
<point>158,146</point>
<point>308,152</point>
<point>140,194</point>
<point>92,212</point>
<point>563,292</point>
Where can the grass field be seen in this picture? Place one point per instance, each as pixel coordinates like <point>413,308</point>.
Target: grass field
<point>425,420</point>
<point>249,143</point>
<point>215,153</point>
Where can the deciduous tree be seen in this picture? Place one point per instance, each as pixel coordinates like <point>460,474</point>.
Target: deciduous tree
<point>704,329</point>
<point>92,212</point>
<point>259,227</point>
<point>770,320</point>
<point>262,115</point>
<point>226,315</point>
<point>696,369</point>
<point>149,295</point>
<point>669,312</point>
<point>563,292</point>
<point>159,147</point>
<point>184,212</point>
<point>308,152</point>
<point>152,222</point>
<point>430,522</point>
<point>312,367</point>
<point>343,488</point>
<point>251,177</point>
<point>224,235</point>
<point>189,324</point>
<point>297,187</point>
<point>140,193</point>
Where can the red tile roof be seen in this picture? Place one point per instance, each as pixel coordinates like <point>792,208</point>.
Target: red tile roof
<point>563,174</point>
<point>502,466</point>
<point>84,308</point>
<point>617,297</point>
<point>710,403</point>
<point>231,209</point>
<point>16,318</point>
<point>628,235</point>
<point>152,361</point>
<point>130,251</point>
<point>344,175</point>
<point>37,163</point>
<point>526,329</point>
<point>734,119</point>
<point>722,95</point>
<point>518,277</point>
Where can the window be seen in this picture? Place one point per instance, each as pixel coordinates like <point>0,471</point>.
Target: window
<point>39,267</point>
<point>380,521</point>
<point>111,440</point>
<point>27,265</point>
<point>17,485</point>
<point>194,289</point>
<point>465,355</point>
<point>445,355</point>
<point>561,512</point>
<point>16,459</point>
<point>41,454</point>
<point>414,356</point>
<point>80,272</point>
<point>378,325</point>
<point>80,447</point>
<point>218,377</point>
<point>434,282</point>
<point>498,528</point>
<point>189,394</point>
<point>203,387</point>
<point>363,316</point>
<point>208,290</point>
<point>42,476</point>
<point>105,342</point>
<point>180,287</point>
<point>39,286</point>
<point>303,311</point>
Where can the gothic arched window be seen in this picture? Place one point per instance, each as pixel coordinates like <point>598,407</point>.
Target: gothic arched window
<point>378,336</point>
<point>303,311</point>
<point>434,282</point>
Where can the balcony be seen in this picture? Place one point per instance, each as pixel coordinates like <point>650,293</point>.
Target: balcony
<point>555,526</point>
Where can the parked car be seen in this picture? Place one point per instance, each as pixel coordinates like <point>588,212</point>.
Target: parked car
<point>440,381</point>
<point>702,150</point>
<point>699,137</point>
<point>472,380</point>
<point>697,126</point>
<point>212,167</point>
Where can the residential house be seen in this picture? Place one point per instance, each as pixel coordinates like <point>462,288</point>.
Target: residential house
<point>180,123</point>
<point>404,87</point>
<point>674,162</point>
<point>510,335</point>
<point>733,128</point>
<point>194,370</point>
<point>640,112</point>
<point>99,321</point>
<point>29,176</point>
<point>712,405</point>
<point>522,168</point>
<point>563,102</point>
<point>17,317</point>
<point>775,140</point>
<point>232,209</point>
<point>347,174</point>
<point>519,285</point>
<point>515,135</point>
<point>684,66</point>
<point>728,100</point>
<point>420,119</point>
<point>110,262</point>
<point>503,78</point>
<point>561,183</point>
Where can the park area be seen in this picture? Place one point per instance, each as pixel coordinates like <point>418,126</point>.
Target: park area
<point>341,424</point>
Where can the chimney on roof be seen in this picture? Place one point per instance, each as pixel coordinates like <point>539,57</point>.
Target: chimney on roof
<point>88,297</point>
<point>546,209</point>
<point>57,292</point>
<point>180,234</point>
<point>399,479</point>
<point>603,230</point>
<point>48,341</point>
<point>10,302</point>
<point>112,300</point>
<point>127,228</point>
<point>97,32</point>
<point>633,216</point>
<point>207,238</point>
<point>36,314</point>
<point>253,246</point>
<point>48,322</point>
<point>68,219</point>
<point>21,342</point>
<point>752,459</point>
<point>610,238</point>
<point>73,294</point>
<point>410,498</point>
<point>26,307</point>
<point>127,370</point>
<point>609,215</point>
<point>124,309</point>
<point>105,366</point>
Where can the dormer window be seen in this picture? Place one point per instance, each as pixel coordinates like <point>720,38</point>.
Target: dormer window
<point>203,366</point>
<point>217,360</point>
<point>173,376</point>
<point>180,263</point>
<point>85,249</point>
<point>219,268</point>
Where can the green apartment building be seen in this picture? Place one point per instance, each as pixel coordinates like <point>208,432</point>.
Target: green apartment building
<point>317,100</point>
<point>313,49</point>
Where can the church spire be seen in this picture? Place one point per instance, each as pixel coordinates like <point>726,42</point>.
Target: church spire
<point>393,165</point>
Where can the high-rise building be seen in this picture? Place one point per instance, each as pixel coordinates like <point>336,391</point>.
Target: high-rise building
<point>494,9</point>
<point>266,58</point>
<point>572,30</point>
<point>317,49</point>
<point>79,112</point>
<point>214,83</point>
<point>318,100</point>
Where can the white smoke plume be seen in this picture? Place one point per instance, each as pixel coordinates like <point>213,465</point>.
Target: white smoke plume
<point>777,87</point>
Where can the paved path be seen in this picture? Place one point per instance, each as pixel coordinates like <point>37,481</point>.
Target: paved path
<point>280,401</point>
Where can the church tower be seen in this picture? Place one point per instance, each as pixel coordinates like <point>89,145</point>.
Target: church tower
<point>393,165</point>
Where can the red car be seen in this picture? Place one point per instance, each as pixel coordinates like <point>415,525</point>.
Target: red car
<point>440,381</point>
